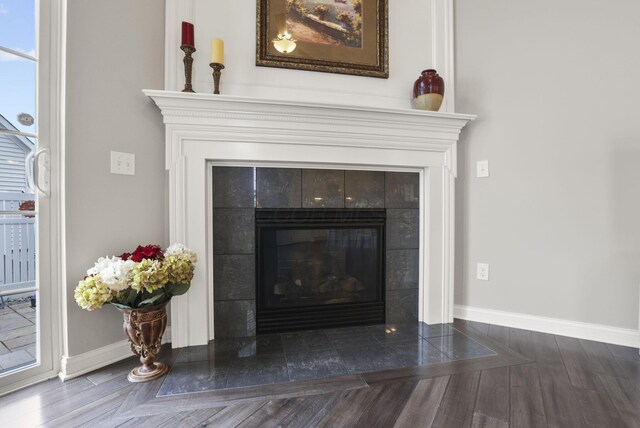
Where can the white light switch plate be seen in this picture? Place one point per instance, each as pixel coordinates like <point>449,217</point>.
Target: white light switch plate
<point>482,169</point>
<point>483,271</point>
<point>123,163</point>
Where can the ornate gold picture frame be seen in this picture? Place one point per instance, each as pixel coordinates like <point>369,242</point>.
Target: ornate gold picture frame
<point>334,36</point>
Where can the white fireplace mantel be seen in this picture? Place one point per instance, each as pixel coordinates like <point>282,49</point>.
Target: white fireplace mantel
<point>204,130</point>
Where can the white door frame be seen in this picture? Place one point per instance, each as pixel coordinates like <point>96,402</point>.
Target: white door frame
<point>51,41</point>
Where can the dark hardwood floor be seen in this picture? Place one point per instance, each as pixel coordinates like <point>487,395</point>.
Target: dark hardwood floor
<point>535,380</point>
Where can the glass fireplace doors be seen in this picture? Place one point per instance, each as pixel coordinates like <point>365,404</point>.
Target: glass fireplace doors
<point>319,268</point>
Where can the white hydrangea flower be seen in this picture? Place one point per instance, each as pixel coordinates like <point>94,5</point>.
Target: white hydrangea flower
<point>113,271</point>
<point>179,249</point>
<point>101,264</point>
<point>118,274</point>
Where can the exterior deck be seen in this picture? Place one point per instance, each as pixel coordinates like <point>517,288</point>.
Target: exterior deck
<point>17,335</point>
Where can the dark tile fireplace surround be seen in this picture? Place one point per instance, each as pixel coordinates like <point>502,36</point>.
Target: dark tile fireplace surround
<point>239,191</point>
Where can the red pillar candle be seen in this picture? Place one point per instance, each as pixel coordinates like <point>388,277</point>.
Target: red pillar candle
<point>187,34</point>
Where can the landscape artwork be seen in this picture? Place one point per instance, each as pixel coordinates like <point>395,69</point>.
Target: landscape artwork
<point>328,22</point>
<point>335,36</point>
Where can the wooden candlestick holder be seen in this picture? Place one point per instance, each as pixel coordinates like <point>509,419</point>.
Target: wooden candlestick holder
<point>188,63</point>
<point>217,72</point>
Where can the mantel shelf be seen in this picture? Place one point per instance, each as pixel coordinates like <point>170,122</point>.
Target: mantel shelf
<point>215,101</point>
<point>300,123</point>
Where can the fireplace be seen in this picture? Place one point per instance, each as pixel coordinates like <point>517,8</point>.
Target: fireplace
<point>203,130</point>
<point>318,268</point>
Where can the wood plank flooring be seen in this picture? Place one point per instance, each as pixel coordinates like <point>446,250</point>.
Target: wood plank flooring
<point>535,380</point>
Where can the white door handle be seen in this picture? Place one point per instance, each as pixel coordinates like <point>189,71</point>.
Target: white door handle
<point>41,179</point>
<point>28,169</point>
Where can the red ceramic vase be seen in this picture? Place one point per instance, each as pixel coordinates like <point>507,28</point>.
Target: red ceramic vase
<point>428,91</point>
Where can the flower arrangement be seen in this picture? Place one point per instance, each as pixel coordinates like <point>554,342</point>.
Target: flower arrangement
<point>146,277</point>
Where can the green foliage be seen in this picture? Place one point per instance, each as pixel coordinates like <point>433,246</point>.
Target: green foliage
<point>357,25</point>
<point>357,6</point>
<point>143,299</point>
<point>354,28</point>
<point>155,300</point>
<point>177,289</point>
<point>121,306</point>
<point>131,298</point>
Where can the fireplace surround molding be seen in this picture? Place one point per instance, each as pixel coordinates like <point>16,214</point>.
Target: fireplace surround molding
<point>203,130</point>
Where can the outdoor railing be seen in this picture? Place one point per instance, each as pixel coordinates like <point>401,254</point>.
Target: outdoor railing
<point>18,241</point>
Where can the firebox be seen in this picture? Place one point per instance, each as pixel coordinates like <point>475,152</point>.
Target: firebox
<point>319,268</point>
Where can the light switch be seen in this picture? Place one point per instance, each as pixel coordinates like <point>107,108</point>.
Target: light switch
<point>483,271</point>
<point>123,163</point>
<point>482,169</point>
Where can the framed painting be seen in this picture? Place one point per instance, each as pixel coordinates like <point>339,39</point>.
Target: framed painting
<point>334,36</point>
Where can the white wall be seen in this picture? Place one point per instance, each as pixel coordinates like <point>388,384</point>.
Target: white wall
<point>410,52</point>
<point>555,85</point>
<point>114,50</point>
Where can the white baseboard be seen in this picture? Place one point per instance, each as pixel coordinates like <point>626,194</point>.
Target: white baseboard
<point>77,365</point>
<point>580,330</point>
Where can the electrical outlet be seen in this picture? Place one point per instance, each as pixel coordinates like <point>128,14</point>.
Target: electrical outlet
<point>482,169</point>
<point>483,271</point>
<point>123,163</point>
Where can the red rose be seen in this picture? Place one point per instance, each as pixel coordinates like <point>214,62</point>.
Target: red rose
<point>153,252</point>
<point>125,256</point>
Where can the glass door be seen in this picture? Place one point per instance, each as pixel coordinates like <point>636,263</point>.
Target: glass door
<point>25,347</point>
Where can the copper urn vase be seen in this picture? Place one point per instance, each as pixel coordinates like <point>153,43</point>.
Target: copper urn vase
<point>144,327</point>
<point>428,91</point>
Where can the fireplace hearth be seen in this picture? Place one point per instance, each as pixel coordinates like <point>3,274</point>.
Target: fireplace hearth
<point>319,268</point>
